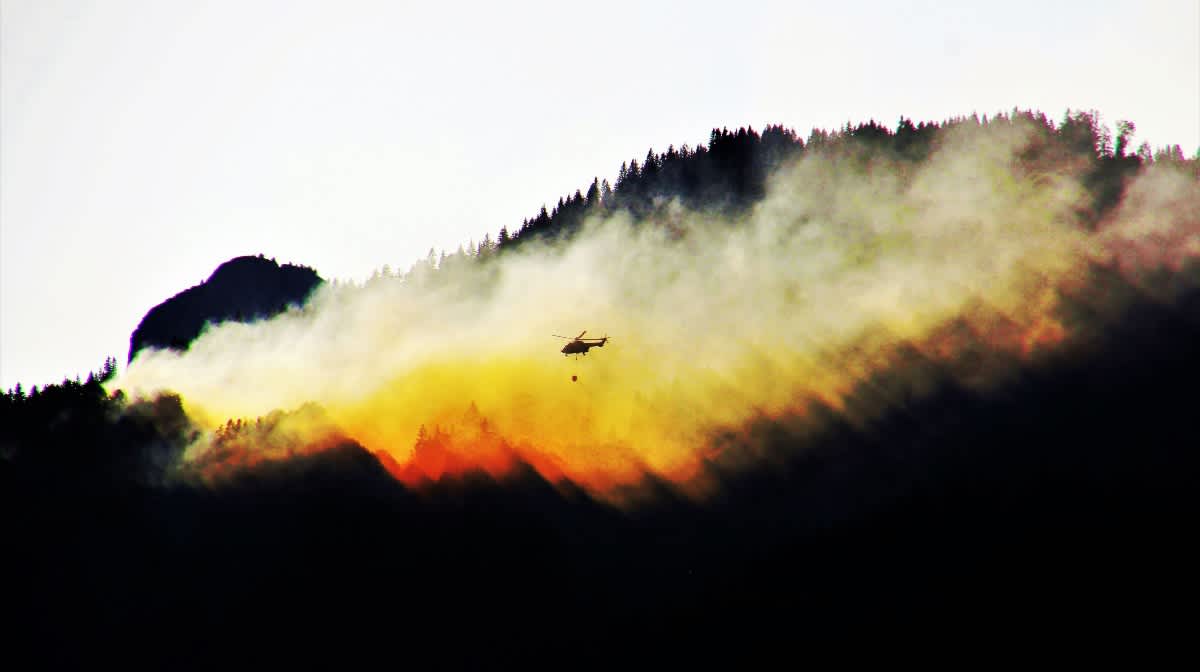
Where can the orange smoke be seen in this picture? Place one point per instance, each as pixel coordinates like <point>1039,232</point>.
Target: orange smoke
<point>976,346</point>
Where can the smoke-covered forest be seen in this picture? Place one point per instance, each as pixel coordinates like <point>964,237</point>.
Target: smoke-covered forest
<point>930,383</point>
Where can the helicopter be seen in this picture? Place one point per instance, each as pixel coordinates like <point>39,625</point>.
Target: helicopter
<point>580,345</point>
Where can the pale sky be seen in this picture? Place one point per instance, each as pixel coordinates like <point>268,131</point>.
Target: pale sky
<point>144,142</point>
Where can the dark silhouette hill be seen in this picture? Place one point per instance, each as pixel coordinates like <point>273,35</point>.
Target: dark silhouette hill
<point>1055,510</point>
<point>243,289</point>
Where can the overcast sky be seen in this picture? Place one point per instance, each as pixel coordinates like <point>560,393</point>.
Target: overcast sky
<point>142,143</point>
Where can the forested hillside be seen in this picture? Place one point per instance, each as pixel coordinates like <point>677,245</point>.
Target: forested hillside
<point>1013,469</point>
<point>730,173</point>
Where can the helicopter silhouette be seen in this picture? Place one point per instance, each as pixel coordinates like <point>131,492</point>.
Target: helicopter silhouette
<point>580,345</point>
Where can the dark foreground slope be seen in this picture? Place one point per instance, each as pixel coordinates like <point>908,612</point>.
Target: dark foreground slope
<point>242,289</point>
<point>1057,509</point>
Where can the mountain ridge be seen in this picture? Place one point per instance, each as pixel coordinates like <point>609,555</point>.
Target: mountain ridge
<point>243,289</point>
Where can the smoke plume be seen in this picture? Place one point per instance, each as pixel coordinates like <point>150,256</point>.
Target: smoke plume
<point>849,261</point>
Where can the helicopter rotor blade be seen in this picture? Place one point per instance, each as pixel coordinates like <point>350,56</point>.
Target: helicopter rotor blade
<point>581,338</point>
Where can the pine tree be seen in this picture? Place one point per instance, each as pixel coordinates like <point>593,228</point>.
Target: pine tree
<point>650,169</point>
<point>1125,131</point>
<point>593,193</point>
<point>109,371</point>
